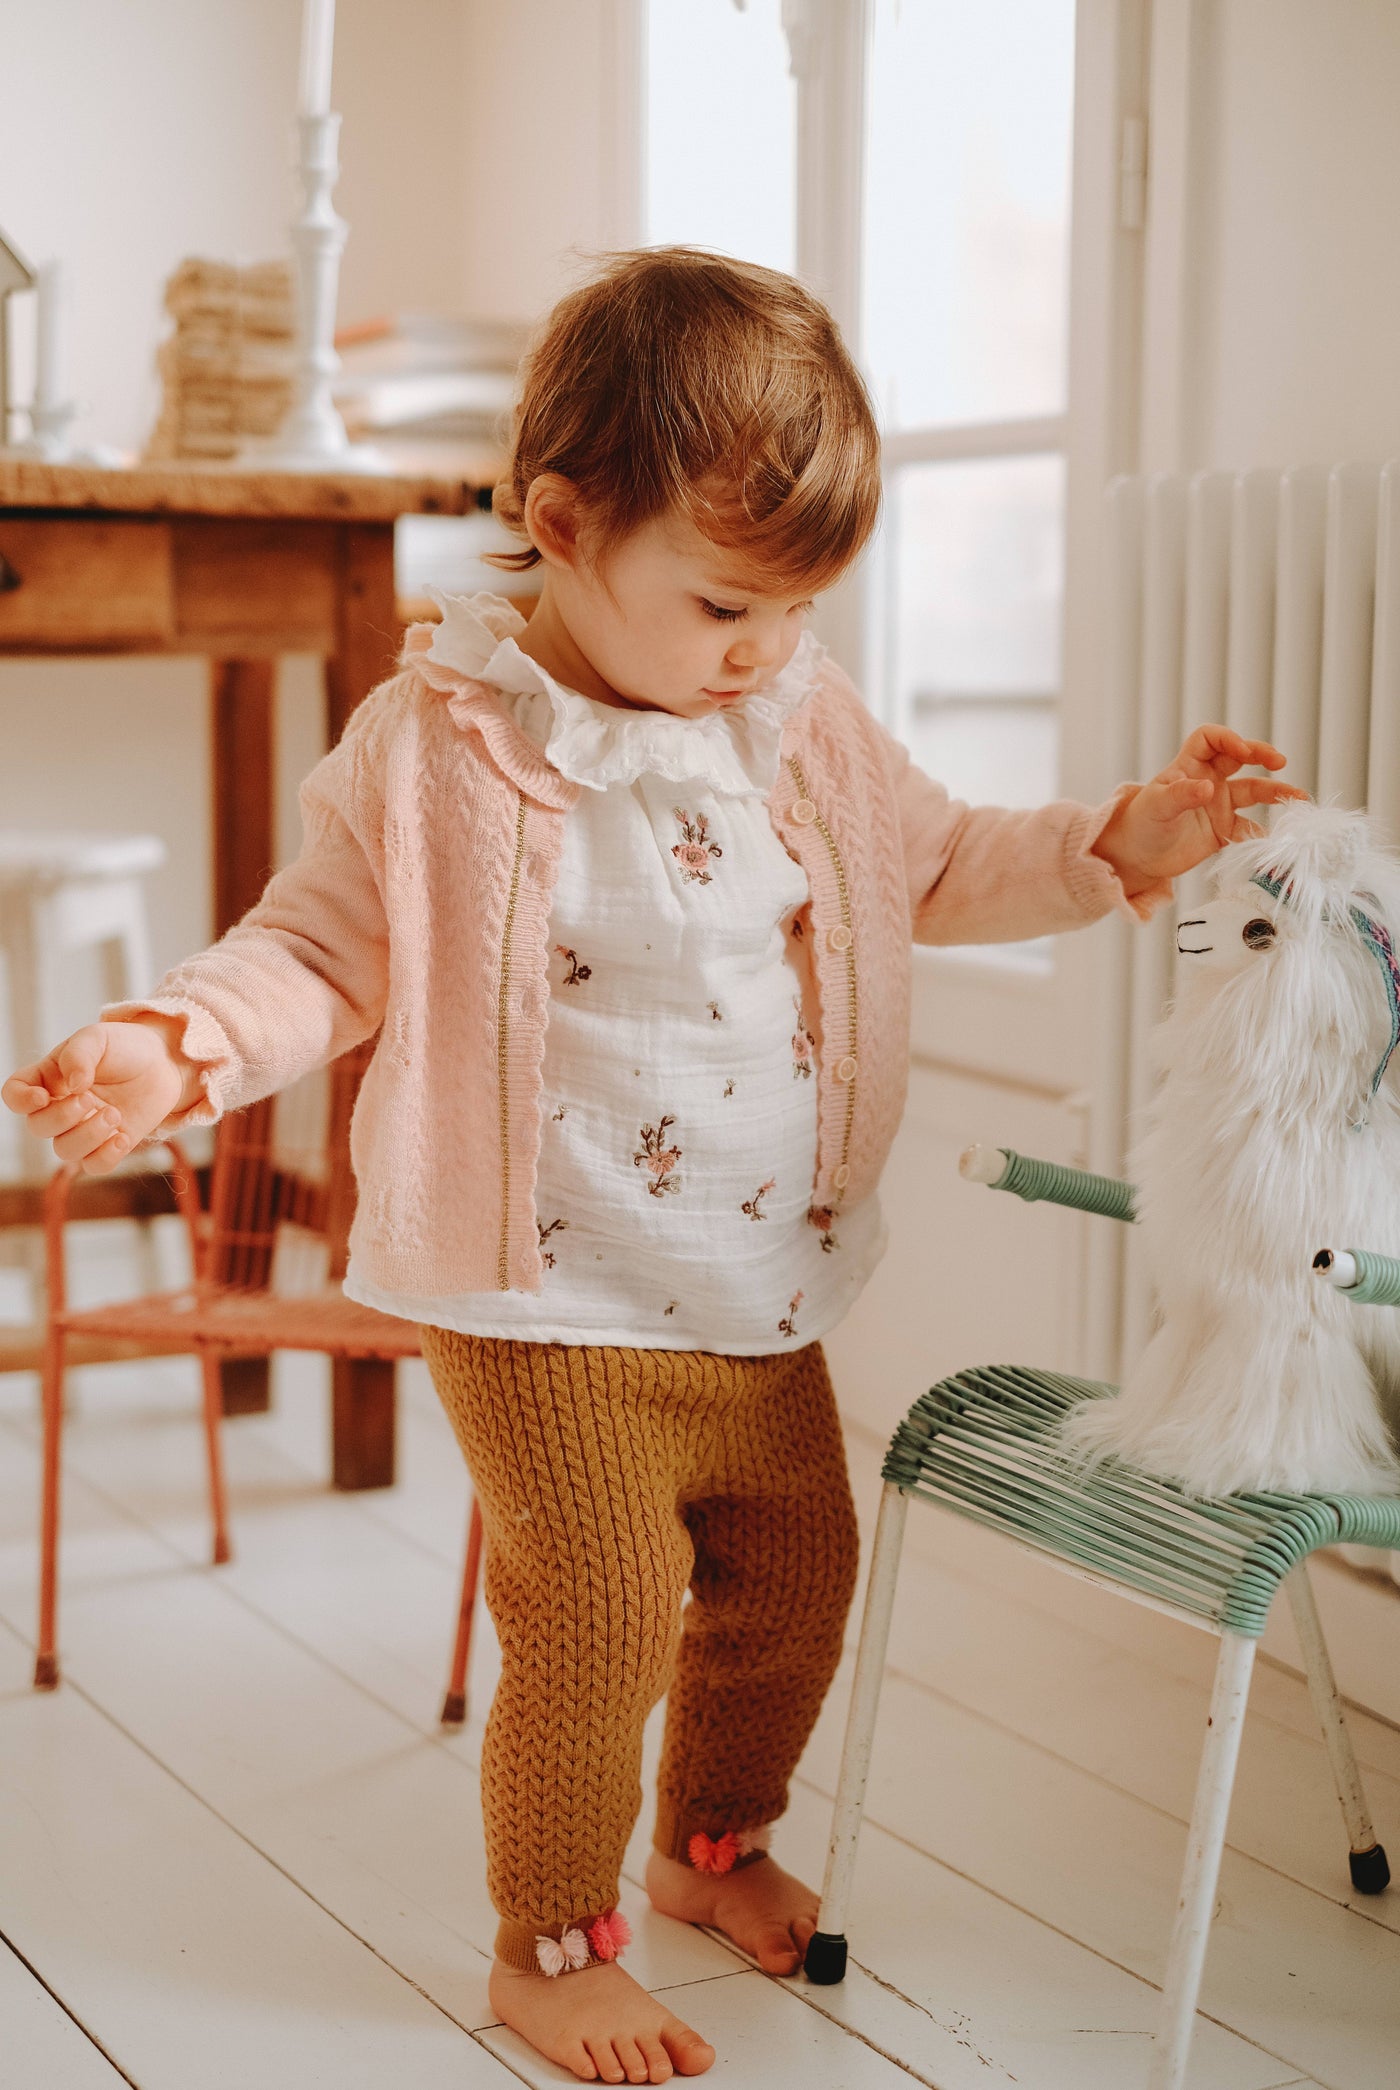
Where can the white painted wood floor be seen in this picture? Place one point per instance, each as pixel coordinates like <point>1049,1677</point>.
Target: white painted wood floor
<point>238,1853</point>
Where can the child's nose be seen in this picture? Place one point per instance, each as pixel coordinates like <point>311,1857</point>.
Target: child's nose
<point>755,650</point>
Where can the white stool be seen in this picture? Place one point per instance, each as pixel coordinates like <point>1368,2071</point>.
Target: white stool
<point>61,893</point>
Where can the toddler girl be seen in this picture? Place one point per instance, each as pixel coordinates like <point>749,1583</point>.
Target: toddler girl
<point>628,893</point>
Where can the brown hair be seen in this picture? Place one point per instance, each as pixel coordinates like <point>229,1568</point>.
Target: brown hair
<point>680,381</point>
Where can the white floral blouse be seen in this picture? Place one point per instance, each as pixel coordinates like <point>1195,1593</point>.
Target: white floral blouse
<point>679,1133</point>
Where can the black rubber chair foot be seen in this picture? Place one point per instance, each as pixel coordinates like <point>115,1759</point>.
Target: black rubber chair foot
<point>1370,1870</point>
<point>825,1962</point>
<point>454,1709</point>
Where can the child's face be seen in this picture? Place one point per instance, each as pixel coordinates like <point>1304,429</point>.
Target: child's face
<point>671,621</point>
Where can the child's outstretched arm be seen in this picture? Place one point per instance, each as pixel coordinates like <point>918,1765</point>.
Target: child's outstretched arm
<point>299,980</point>
<point>1191,808</point>
<point>993,874</point>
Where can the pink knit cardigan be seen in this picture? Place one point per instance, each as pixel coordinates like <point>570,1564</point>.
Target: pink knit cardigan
<point>419,908</point>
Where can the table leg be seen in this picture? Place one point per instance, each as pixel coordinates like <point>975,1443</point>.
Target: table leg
<point>242,695</point>
<point>362,1422</point>
<point>243,784</point>
<point>366,622</point>
<point>367,641</point>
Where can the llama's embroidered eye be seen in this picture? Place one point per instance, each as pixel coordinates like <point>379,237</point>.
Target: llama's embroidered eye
<point>1259,933</point>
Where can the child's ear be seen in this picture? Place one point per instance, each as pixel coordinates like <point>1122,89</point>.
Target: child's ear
<point>553,519</point>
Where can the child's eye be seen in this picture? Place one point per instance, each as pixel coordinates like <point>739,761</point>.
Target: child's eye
<point>713,609</point>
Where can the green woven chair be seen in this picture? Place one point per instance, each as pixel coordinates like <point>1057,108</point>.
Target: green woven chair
<point>984,1444</point>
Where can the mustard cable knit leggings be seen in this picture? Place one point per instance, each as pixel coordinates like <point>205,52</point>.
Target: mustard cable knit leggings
<point>609,1481</point>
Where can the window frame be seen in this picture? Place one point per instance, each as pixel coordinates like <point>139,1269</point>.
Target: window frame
<point>975,1010</point>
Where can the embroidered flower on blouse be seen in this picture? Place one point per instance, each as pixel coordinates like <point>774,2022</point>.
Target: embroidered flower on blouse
<point>558,1114</point>
<point>556,1226</point>
<point>716,1012</point>
<point>823,1218</point>
<point>788,1324</point>
<point>659,1158</point>
<point>803,1045</point>
<point>697,851</point>
<point>729,1088</point>
<point>752,1207</point>
<point>576,972</point>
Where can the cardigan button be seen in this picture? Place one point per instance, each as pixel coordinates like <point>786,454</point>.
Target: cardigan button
<point>846,1069</point>
<point>804,812</point>
<point>840,939</point>
<point>842,1177</point>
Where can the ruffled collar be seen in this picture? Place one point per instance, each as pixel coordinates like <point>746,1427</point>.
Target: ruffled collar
<point>736,750</point>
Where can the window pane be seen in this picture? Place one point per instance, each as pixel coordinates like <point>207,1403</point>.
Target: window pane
<point>721,117</point>
<point>975,562</point>
<point>991,754</point>
<point>967,209</point>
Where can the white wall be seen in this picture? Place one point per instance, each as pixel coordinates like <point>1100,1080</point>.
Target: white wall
<point>1292,342</point>
<point>134,136</point>
<point>551,139</point>
<point>484,148</point>
<point>138,134</point>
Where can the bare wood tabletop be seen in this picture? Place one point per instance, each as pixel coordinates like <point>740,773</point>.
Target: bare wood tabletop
<point>238,490</point>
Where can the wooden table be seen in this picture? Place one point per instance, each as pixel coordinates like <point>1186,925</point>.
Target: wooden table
<point>240,566</point>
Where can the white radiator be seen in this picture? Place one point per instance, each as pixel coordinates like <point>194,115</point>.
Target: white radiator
<point>1269,600</point>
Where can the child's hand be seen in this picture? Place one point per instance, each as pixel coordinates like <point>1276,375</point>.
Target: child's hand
<point>1191,809</point>
<point>102,1091</point>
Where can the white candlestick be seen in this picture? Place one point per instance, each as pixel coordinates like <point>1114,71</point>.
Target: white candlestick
<point>317,44</point>
<point>312,435</point>
<point>48,329</point>
<point>49,411</point>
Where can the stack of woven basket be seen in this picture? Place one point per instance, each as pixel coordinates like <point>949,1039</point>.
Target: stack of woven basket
<point>226,371</point>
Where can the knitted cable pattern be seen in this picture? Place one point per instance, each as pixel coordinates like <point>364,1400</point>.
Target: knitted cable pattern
<point>610,1480</point>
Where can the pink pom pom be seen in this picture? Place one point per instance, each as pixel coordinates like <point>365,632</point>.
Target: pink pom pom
<point>713,1856</point>
<point>609,1935</point>
<point>562,1954</point>
<point>550,1954</point>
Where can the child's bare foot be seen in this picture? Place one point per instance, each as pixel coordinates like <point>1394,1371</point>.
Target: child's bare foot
<point>768,1913</point>
<point>600,2023</point>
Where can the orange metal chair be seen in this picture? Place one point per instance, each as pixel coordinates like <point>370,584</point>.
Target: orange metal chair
<point>267,1256</point>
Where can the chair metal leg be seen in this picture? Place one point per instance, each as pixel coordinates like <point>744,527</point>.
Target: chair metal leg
<point>454,1706</point>
<point>46,1659</point>
<point>1205,1842</point>
<point>213,1438</point>
<point>1370,1868</point>
<point>825,1960</point>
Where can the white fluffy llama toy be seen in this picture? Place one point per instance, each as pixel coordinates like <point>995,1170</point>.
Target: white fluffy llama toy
<point>1275,1132</point>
